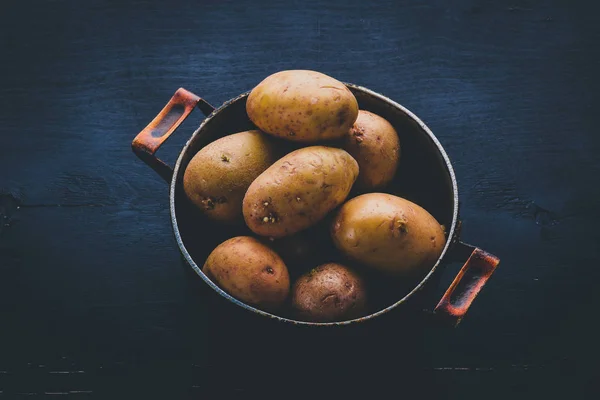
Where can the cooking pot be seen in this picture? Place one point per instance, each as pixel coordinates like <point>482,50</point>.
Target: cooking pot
<point>425,175</point>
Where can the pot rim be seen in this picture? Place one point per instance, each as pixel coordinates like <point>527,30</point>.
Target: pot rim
<point>417,288</point>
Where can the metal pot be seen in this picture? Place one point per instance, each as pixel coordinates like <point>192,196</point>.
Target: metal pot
<point>425,175</point>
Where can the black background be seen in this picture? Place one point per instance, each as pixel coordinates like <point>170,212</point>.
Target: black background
<point>94,299</point>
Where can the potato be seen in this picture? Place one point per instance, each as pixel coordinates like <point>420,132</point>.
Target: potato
<point>218,176</point>
<point>388,233</point>
<point>298,190</point>
<point>249,271</point>
<point>374,144</point>
<point>303,106</point>
<point>330,292</point>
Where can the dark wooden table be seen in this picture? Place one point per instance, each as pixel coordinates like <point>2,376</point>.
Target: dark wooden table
<point>94,299</point>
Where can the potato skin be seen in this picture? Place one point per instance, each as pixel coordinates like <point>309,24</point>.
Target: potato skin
<point>249,271</point>
<point>218,176</point>
<point>388,233</point>
<point>302,106</point>
<point>330,292</point>
<point>298,190</point>
<point>374,144</point>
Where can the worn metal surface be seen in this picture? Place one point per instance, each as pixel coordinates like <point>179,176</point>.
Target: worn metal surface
<point>471,278</point>
<point>148,141</point>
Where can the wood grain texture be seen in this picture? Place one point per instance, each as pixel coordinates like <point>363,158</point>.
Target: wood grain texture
<point>90,276</point>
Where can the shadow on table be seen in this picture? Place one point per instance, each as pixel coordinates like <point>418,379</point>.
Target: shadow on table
<point>239,351</point>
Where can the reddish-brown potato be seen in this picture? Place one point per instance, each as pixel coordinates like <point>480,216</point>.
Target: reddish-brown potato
<point>374,144</point>
<point>249,271</point>
<point>330,292</point>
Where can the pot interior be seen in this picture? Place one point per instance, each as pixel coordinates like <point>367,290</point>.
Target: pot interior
<point>424,176</point>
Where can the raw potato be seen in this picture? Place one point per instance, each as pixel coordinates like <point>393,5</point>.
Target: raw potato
<point>218,176</point>
<point>388,233</point>
<point>303,106</point>
<point>298,190</point>
<point>249,271</point>
<point>330,292</point>
<point>374,144</point>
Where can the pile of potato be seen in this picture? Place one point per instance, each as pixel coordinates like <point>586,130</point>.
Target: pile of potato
<point>340,152</point>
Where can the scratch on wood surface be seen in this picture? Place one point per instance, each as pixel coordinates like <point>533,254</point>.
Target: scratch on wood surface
<point>452,369</point>
<point>136,304</point>
<point>516,367</point>
<point>67,372</point>
<point>60,205</point>
<point>202,387</point>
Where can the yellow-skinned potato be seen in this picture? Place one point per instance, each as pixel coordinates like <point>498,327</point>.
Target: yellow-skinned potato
<point>374,144</point>
<point>218,176</point>
<point>298,190</point>
<point>249,271</point>
<point>388,233</point>
<point>303,106</point>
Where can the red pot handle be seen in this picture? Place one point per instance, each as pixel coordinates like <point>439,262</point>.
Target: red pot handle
<point>148,141</point>
<point>471,278</point>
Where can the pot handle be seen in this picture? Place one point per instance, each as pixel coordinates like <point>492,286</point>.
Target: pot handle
<point>467,284</point>
<point>148,141</point>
